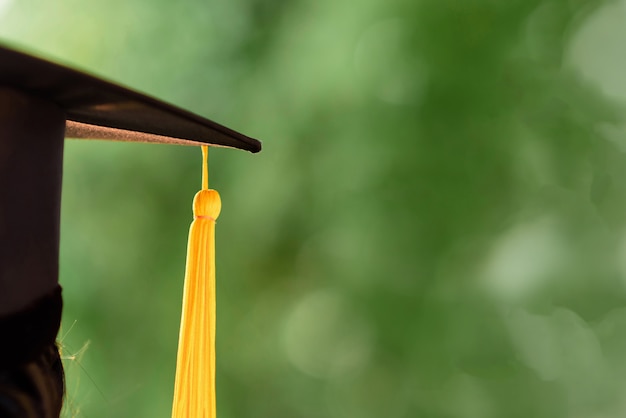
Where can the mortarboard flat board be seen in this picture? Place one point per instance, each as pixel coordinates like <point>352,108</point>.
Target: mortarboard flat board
<point>41,103</point>
<point>98,109</point>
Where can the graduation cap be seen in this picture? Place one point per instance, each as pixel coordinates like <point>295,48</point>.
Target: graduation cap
<point>41,103</point>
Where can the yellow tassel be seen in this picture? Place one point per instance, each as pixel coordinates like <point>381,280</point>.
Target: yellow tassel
<point>194,388</point>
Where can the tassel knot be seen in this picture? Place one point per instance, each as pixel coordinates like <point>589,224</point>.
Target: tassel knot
<point>207,204</point>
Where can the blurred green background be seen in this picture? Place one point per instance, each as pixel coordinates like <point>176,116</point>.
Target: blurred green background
<point>435,228</point>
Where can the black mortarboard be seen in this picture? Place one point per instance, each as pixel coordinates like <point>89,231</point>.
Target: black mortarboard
<point>41,103</point>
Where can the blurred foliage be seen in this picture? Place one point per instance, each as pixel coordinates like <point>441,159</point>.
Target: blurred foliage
<point>436,226</point>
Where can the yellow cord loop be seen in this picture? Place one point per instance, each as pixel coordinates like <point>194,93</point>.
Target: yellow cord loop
<point>205,167</point>
<point>194,388</point>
